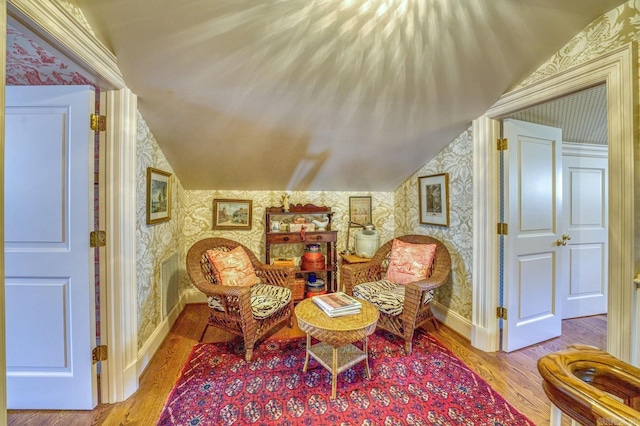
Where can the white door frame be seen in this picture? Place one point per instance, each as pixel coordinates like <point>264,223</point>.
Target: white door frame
<point>63,31</point>
<point>618,70</point>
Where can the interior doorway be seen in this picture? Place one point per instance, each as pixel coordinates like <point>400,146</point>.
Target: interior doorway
<point>617,69</point>
<point>581,288</point>
<point>119,375</point>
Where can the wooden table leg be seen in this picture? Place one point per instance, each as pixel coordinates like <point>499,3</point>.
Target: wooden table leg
<point>306,358</point>
<point>365,348</point>
<point>334,373</point>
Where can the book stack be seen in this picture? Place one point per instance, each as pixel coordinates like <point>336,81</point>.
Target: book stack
<point>283,261</point>
<point>337,304</point>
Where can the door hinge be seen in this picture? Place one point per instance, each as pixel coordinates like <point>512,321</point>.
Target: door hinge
<point>501,312</point>
<point>97,239</point>
<point>99,353</point>
<point>98,123</point>
<point>503,228</point>
<point>503,144</point>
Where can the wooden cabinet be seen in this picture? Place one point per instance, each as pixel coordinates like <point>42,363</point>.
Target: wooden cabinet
<point>326,237</point>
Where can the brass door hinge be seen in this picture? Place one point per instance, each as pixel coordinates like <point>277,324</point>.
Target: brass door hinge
<point>97,239</point>
<point>99,353</point>
<point>503,144</point>
<point>501,312</point>
<point>503,228</point>
<point>98,123</point>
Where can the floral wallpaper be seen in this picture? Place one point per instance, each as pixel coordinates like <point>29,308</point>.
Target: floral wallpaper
<point>154,243</point>
<point>456,160</point>
<point>30,64</point>
<point>198,207</point>
<point>610,31</point>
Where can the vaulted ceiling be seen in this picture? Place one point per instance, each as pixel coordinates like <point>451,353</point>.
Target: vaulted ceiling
<point>342,95</point>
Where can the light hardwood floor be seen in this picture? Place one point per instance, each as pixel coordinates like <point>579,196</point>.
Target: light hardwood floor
<point>513,375</point>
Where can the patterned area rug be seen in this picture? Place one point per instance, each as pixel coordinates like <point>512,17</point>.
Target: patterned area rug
<point>432,386</point>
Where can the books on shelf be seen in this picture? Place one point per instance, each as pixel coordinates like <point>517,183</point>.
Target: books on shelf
<point>283,261</point>
<point>337,304</point>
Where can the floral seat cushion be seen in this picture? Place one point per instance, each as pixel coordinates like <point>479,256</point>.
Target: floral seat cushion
<point>386,296</point>
<point>265,300</point>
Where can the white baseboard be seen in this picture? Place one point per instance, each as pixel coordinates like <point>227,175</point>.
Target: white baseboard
<point>159,334</point>
<point>452,319</point>
<point>194,295</point>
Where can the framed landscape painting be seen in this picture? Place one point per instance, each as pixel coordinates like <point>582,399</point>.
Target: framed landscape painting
<point>434,199</point>
<point>158,196</point>
<point>232,214</point>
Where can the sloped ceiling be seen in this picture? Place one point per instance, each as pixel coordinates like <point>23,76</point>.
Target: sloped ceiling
<point>582,116</point>
<point>344,95</point>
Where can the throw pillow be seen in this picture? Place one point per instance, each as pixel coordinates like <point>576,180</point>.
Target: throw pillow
<point>232,268</point>
<point>410,262</point>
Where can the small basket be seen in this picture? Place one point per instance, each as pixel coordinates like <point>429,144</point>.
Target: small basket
<point>297,292</point>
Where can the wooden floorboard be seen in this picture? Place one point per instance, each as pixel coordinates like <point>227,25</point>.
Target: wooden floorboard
<point>514,375</point>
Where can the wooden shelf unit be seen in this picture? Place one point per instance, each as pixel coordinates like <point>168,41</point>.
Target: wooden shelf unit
<point>327,237</point>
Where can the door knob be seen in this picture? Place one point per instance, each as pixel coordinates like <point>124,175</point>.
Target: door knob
<point>562,242</point>
<point>566,237</point>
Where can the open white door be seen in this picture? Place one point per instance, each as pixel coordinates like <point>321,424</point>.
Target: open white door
<point>585,218</point>
<point>532,209</point>
<point>49,205</point>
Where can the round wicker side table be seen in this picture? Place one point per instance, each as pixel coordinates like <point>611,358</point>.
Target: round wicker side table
<point>335,350</point>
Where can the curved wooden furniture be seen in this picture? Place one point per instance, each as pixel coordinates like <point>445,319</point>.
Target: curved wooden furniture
<point>237,316</point>
<point>591,386</point>
<point>414,313</point>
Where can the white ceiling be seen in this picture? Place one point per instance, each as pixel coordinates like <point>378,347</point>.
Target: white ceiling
<point>342,95</point>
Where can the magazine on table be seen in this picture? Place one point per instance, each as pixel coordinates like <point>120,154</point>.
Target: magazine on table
<point>337,304</point>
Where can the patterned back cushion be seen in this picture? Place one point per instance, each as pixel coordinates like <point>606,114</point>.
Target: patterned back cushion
<point>410,262</point>
<point>232,268</point>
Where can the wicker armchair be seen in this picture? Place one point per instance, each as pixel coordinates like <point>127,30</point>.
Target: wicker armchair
<point>414,313</point>
<point>230,307</point>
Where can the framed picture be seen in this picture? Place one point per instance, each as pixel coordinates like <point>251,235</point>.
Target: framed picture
<point>434,199</point>
<point>360,210</point>
<point>232,214</point>
<point>158,196</point>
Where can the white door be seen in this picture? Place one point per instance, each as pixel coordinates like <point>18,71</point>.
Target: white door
<point>585,219</point>
<point>533,211</point>
<point>49,276</point>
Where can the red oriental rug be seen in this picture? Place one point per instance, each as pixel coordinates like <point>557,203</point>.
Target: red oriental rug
<point>432,386</point>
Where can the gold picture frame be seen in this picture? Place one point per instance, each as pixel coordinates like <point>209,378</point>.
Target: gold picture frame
<point>433,191</point>
<point>232,214</point>
<point>360,210</point>
<point>158,196</point>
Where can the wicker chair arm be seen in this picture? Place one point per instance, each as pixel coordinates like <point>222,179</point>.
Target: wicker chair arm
<point>414,295</point>
<point>426,284</point>
<point>358,273</point>
<point>234,300</point>
<point>226,290</point>
<point>282,276</point>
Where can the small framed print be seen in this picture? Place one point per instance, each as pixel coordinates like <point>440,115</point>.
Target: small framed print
<point>232,214</point>
<point>434,199</point>
<point>158,196</point>
<point>360,210</point>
